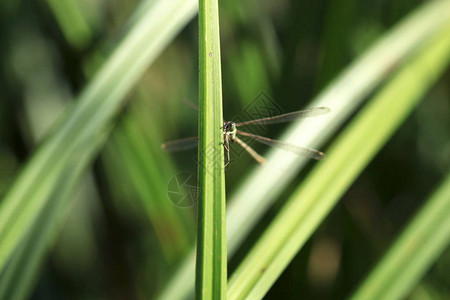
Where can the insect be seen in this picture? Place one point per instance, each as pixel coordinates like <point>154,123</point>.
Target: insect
<point>231,132</point>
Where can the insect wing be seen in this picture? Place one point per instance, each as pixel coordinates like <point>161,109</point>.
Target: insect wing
<point>312,112</point>
<point>308,152</point>
<point>181,144</point>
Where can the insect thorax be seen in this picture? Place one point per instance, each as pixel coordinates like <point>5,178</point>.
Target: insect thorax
<point>229,128</point>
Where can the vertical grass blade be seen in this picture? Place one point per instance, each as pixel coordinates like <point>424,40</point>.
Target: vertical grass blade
<point>258,191</point>
<point>211,274</point>
<point>415,250</point>
<point>346,159</point>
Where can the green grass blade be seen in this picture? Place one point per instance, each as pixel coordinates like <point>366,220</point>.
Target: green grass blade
<point>426,237</point>
<point>148,175</point>
<point>347,157</point>
<point>18,278</point>
<point>344,95</point>
<point>88,119</point>
<point>73,22</point>
<point>211,274</point>
<point>258,191</point>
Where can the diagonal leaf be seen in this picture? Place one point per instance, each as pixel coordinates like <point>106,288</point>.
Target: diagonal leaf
<point>73,22</point>
<point>421,243</point>
<point>347,158</point>
<point>16,281</point>
<point>147,174</point>
<point>343,96</point>
<point>89,118</point>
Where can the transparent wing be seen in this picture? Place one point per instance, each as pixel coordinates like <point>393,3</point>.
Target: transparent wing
<point>250,151</point>
<point>189,103</point>
<point>181,144</point>
<point>308,152</point>
<point>312,112</point>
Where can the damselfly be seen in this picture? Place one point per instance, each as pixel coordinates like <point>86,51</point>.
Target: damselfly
<point>231,132</point>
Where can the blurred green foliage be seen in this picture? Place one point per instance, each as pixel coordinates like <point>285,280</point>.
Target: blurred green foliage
<point>113,242</point>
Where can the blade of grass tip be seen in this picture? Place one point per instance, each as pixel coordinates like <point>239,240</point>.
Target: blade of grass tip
<point>94,110</point>
<point>249,203</point>
<point>211,273</point>
<point>412,254</point>
<point>347,158</point>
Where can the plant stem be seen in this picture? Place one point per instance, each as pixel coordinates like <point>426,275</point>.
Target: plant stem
<point>211,274</point>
